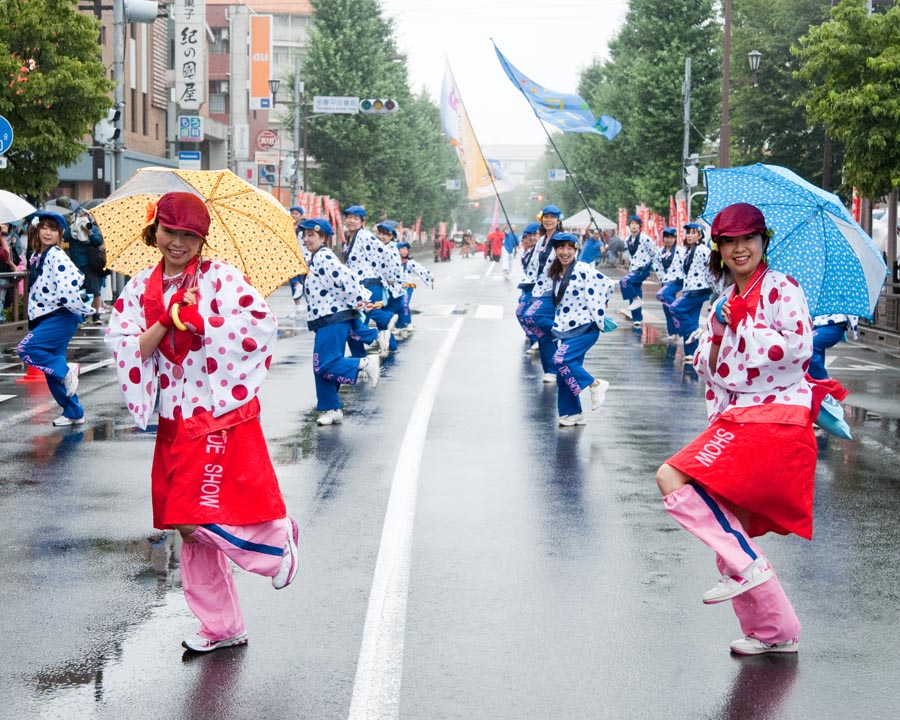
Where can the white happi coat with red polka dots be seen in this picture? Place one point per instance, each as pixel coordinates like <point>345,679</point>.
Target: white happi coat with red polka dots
<point>224,368</point>
<point>762,363</point>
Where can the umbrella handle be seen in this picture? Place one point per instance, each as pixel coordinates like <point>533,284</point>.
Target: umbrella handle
<point>175,319</point>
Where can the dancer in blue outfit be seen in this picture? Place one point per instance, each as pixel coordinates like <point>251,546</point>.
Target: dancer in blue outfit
<point>668,263</point>
<point>579,293</point>
<point>411,269</point>
<point>362,256</point>
<point>699,284</point>
<point>390,316</point>
<point>529,240</point>
<point>641,250</point>
<point>539,315</point>
<point>55,307</point>
<point>334,299</point>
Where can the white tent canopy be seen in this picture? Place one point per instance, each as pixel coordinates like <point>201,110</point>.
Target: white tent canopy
<point>581,220</point>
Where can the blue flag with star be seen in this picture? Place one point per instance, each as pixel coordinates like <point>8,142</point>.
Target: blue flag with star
<point>567,111</point>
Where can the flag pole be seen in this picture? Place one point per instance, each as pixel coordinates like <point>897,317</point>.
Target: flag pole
<point>505,64</point>
<point>478,144</point>
<point>568,172</point>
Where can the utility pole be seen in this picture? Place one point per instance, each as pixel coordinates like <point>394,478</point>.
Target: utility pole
<point>686,150</point>
<point>725,130</point>
<point>119,92</point>
<point>299,144</point>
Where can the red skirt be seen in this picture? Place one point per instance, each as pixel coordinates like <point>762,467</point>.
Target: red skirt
<point>220,473</point>
<point>767,469</point>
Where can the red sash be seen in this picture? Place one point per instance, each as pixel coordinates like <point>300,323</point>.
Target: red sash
<point>743,305</point>
<point>177,343</point>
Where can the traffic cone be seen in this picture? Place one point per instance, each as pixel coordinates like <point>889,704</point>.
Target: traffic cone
<point>32,374</point>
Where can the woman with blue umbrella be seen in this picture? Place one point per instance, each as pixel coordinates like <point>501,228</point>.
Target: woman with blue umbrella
<point>752,470</point>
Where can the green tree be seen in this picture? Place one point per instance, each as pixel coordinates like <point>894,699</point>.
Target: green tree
<point>851,65</point>
<point>640,85</point>
<point>767,125</point>
<point>395,165</point>
<point>53,89</point>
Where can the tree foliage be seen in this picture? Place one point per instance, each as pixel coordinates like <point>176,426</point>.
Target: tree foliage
<point>640,85</point>
<point>395,165</point>
<point>851,64</point>
<point>53,89</point>
<point>767,124</point>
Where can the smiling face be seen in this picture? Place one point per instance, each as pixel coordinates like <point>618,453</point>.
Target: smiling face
<point>691,236</point>
<point>669,241</point>
<point>384,235</point>
<point>741,255</point>
<point>312,240</point>
<point>550,223</point>
<point>48,233</point>
<point>353,222</point>
<point>297,215</point>
<point>178,248</point>
<point>565,253</point>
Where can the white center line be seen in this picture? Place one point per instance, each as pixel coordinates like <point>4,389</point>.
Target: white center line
<point>379,670</point>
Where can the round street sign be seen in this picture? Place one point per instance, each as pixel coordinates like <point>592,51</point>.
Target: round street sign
<point>6,134</point>
<point>266,139</point>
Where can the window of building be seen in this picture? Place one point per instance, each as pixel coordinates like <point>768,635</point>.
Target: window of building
<point>220,42</point>
<point>133,104</point>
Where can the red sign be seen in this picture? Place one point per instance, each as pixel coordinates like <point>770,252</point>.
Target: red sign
<point>266,139</point>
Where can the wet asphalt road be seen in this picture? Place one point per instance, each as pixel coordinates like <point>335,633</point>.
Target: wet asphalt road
<point>539,576</point>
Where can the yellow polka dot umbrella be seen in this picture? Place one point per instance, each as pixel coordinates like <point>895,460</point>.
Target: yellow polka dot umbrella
<point>249,228</point>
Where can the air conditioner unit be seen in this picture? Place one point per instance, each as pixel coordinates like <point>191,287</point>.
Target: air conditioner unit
<point>223,87</point>
<point>224,33</point>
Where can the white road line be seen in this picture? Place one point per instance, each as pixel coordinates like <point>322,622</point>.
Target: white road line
<point>490,269</point>
<point>379,670</point>
<point>6,397</point>
<point>488,312</point>
<point>439,310</point>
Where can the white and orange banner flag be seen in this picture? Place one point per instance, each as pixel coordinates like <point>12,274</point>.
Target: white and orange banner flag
<point>459,130</point>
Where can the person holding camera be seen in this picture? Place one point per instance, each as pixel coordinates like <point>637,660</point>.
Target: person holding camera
<point>88,253</point>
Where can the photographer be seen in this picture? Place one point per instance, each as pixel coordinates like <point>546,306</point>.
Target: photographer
<point>88,253</point>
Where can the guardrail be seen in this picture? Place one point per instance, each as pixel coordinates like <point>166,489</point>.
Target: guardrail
<point>10,281</point>
<point>884,329</point>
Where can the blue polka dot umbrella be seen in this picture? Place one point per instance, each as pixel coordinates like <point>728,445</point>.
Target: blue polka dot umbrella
<point>816,240</point>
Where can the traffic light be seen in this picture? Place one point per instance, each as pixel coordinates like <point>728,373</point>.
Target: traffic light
<point>267,174</point>
<point>540,198</point>
<point>691,175</point>
<point>476,204</point>
<point>106,131</point>
<point>374,106</point>
<point>288,167</point>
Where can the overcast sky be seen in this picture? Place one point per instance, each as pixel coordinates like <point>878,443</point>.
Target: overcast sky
<point>550,41</point>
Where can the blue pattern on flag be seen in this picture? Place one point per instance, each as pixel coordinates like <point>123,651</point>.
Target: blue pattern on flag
<point>567,111</point>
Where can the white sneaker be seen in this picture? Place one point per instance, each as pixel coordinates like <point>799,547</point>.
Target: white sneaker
<point>671,338</point>
<point>688,359</point>
<point>384,343</point>
<point>570,420</point>
<point>729,586</point>
<point>70,381</point>
<point>330,417</point>
<point>534,347</point>
<point>63,421</point>
<point>200,644</point>
<point>371,367</point>
<point>289,562</point>
<point>549,378</point>
<point>636,304</point>
<point>298,291</point>
<point>694,337</point>
<point>752,646</point>
<point>598,393</point>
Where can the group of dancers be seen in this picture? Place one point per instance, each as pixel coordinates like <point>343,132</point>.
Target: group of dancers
<point>193,340</point>
<point>373,285</point>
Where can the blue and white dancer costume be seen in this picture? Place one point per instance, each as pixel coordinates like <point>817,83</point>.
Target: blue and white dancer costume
<point>539,315</point>
<point>529,239</point>
<point>55,307</point>
<point>362,256</point>
<point>334,297</point>
<point>411,269</point>
<point>699,284</point>
<point>580,294</point>
<point>392,283</point>
<point>829,330</point>
<point>641,250</point>
<point>296,283</point>
<point>668,264</point>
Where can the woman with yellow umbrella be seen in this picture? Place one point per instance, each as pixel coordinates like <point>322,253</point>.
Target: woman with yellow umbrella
<point>193,335</point>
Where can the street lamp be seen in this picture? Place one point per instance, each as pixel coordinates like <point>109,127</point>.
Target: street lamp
<point>753,57</point>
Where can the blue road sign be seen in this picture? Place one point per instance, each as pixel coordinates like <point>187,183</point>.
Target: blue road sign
<point>6,134</point>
